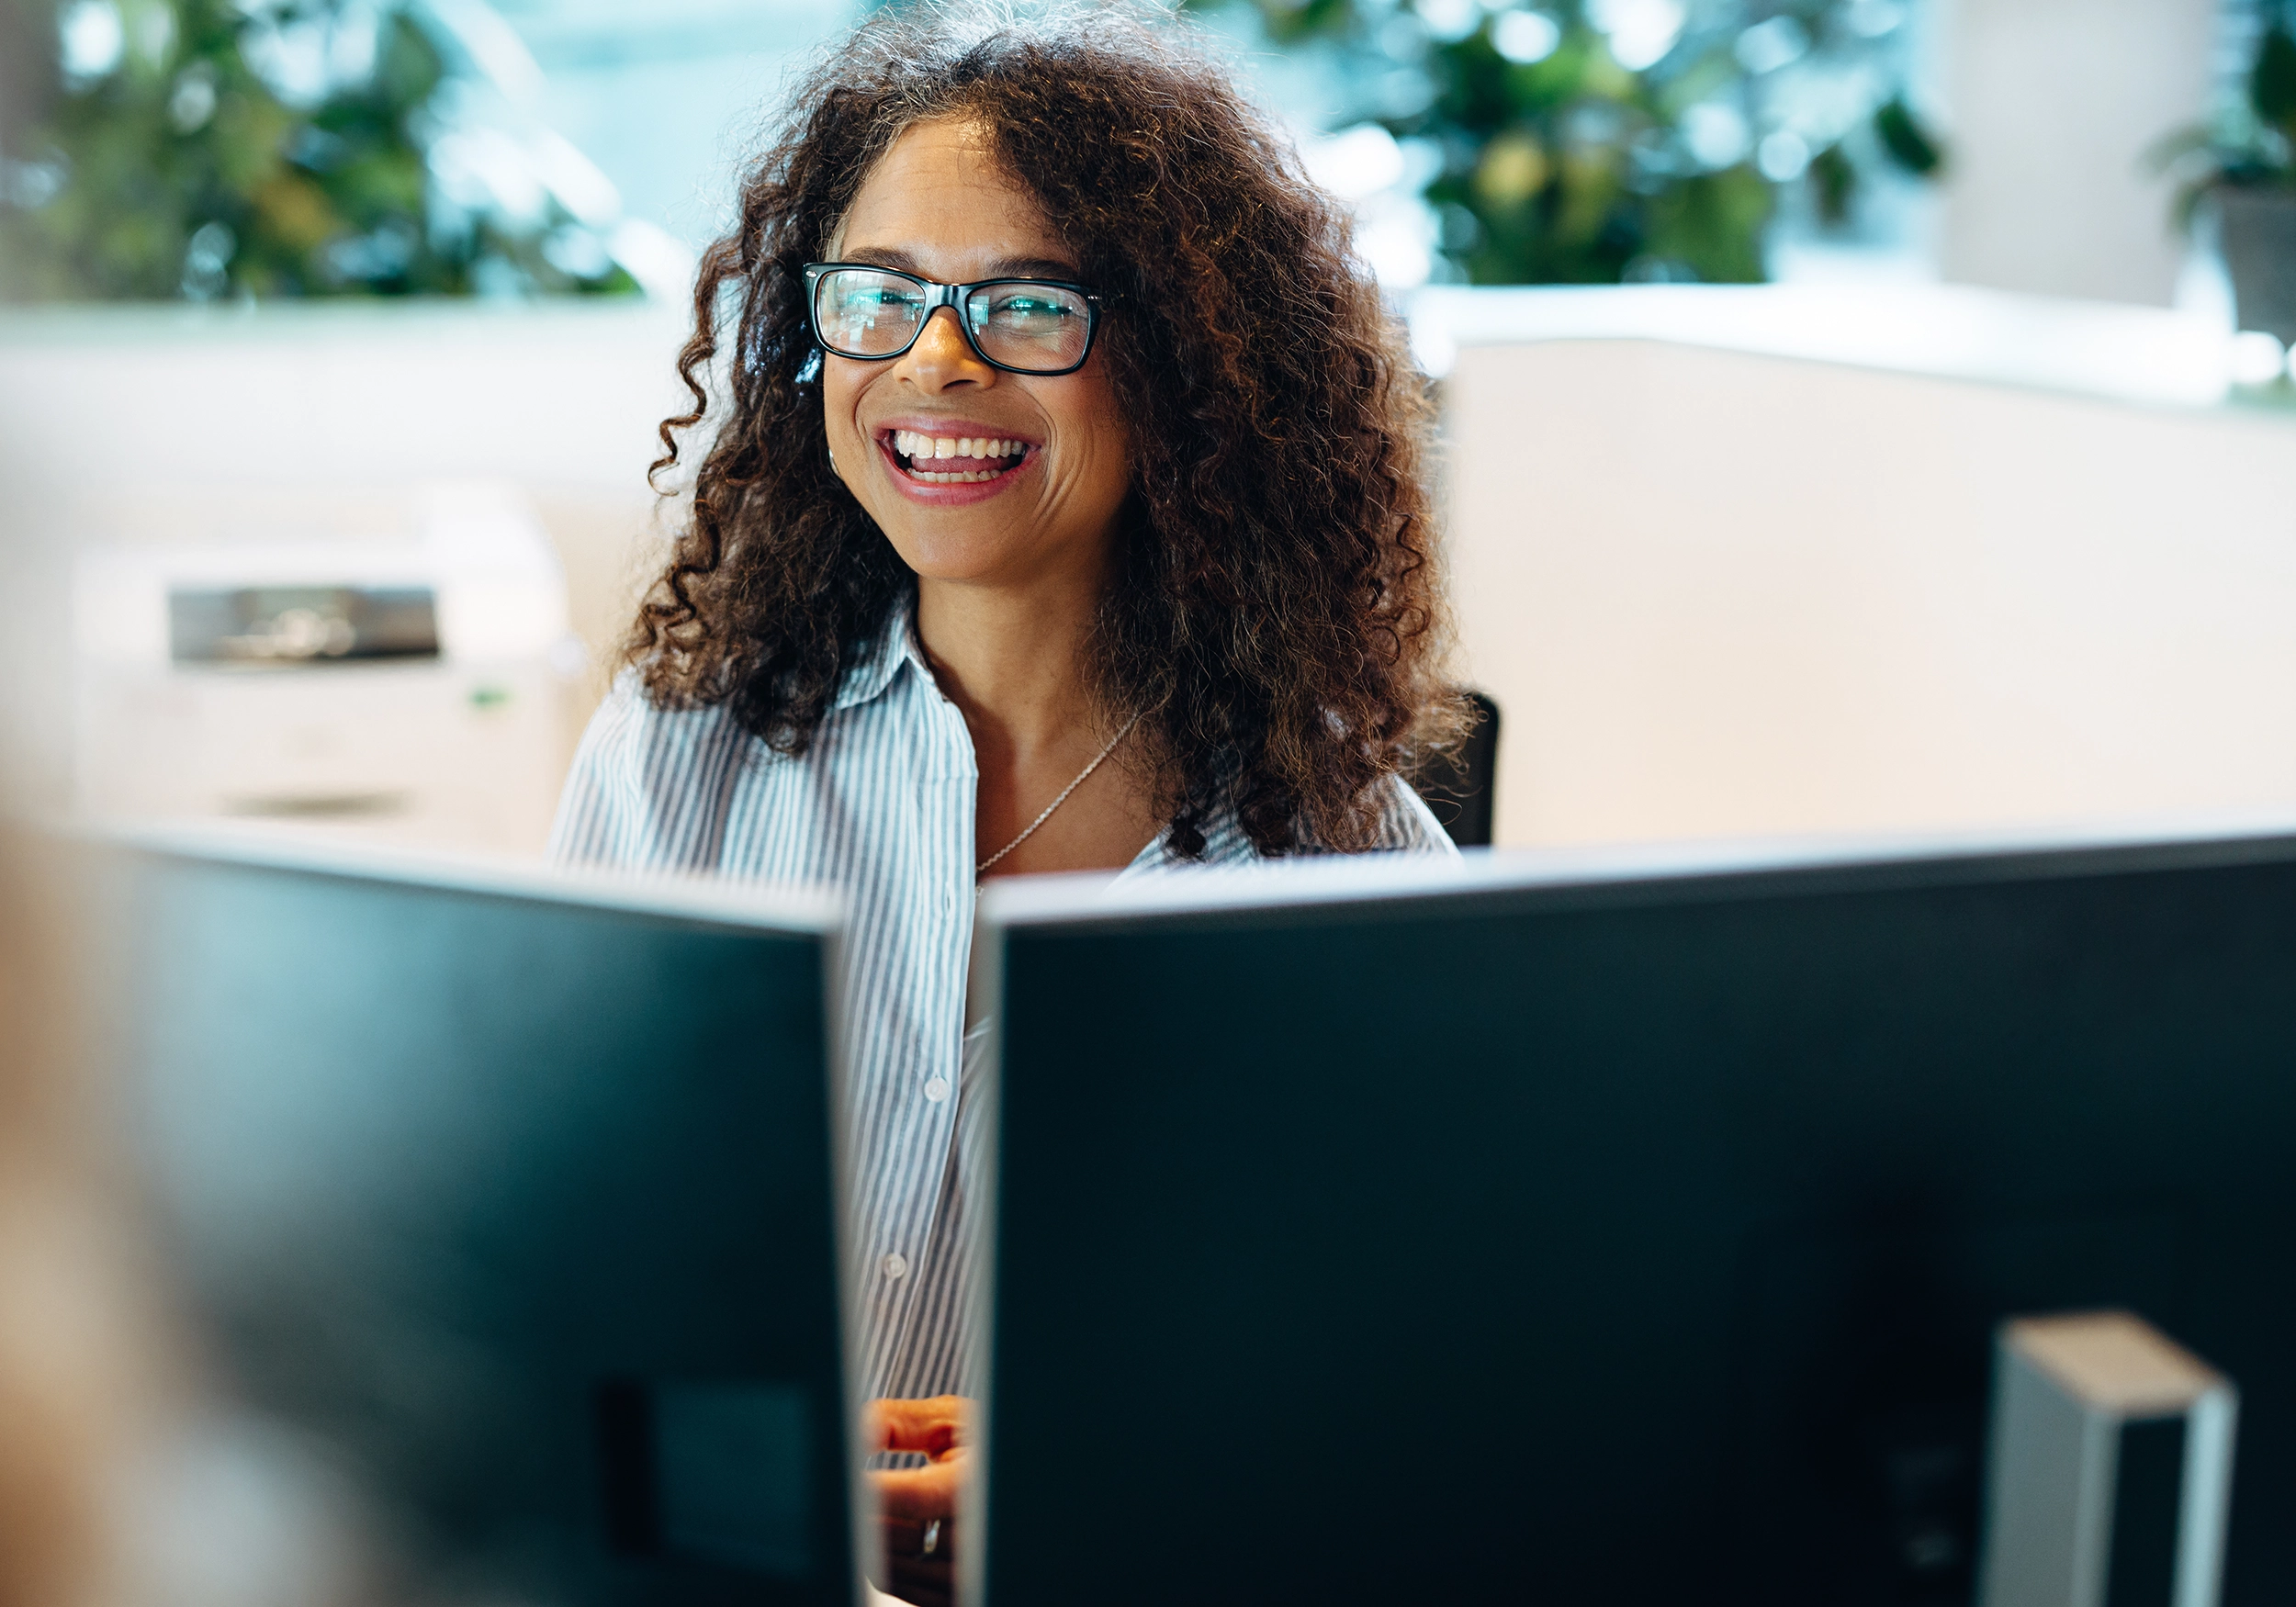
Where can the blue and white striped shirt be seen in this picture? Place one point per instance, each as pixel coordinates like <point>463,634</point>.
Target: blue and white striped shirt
<point>881,805</point>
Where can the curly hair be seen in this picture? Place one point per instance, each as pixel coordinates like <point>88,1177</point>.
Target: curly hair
<point>1273,604</point>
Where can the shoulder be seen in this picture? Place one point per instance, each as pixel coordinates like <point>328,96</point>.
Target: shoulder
<point>632,735</point>
<point>1404,825</point>
<point>674,788</point>
<point>632,791</point>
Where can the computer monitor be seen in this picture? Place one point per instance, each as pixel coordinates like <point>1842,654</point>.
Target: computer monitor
<point>499,1204</point>
<point>1626,1228</point>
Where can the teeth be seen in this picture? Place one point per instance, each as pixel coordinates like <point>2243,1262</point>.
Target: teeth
<point>920,448</point>
<point>910,443</point>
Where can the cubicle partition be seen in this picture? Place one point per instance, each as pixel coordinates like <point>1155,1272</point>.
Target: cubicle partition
<point>1784,561</point>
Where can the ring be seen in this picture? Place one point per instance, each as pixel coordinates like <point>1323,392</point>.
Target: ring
<point>931,1543</point>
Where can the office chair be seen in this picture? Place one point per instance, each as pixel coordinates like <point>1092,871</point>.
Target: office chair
<point>1458,786</point>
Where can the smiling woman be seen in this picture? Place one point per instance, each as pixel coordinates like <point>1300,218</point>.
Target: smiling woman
<point>1275,427</point>
<point>1064,512</point>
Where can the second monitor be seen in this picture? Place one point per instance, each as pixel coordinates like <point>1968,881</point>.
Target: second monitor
<point>1613,1230</point>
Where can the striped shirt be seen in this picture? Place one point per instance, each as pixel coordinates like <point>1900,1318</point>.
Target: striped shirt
<point>880,805</point>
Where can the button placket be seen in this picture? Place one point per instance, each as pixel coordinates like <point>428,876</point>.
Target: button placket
<point>946,797</point>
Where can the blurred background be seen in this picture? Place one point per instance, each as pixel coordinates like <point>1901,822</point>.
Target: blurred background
<point>1859,415</point>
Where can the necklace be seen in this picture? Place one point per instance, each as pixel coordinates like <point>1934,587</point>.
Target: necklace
<point>981,868</point>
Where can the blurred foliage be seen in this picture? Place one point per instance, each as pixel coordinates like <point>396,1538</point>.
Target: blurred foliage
<point>1559,163</point>
<point>175,167</point>
<point>1907,143</point>
<point>2251,140</point>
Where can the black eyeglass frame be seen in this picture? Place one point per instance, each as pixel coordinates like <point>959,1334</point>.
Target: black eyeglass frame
<point>938,296</point>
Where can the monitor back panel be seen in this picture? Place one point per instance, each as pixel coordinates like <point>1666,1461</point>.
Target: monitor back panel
<point>1633,1244</point>
<point>514,1213</point>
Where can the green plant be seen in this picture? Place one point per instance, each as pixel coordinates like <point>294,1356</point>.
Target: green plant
<point>168,162</point>
<point>2250,141</point>
<point>1587,141</point>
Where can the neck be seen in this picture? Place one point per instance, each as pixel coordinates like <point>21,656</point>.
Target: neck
<point>1008,658</point>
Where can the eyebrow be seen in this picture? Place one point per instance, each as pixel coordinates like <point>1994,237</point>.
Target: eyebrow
<point>1003,267</point>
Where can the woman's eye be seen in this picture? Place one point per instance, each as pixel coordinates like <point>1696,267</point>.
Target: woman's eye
<point>1027,309</point>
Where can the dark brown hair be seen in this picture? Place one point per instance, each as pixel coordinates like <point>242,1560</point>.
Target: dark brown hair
<point>1273,602</point>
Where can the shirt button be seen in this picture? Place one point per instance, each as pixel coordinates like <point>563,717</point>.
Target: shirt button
<point>937,1089</point>
<point>895,1265</point>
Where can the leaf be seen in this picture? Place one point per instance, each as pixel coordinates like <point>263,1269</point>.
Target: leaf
<point>1834,184</point>
<point>295,212</point>
<point>1538,87</point>
<point>1909,145</point>
<point>2272,80</point>
<point>1513,169</point>
<point>1713,224</point>
<point>1590,181</point>
<point>2175,147</point>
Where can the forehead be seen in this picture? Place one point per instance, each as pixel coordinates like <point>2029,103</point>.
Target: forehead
<point>939,203</point>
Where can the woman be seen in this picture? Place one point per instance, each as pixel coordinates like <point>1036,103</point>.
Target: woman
<point>1065,513</point>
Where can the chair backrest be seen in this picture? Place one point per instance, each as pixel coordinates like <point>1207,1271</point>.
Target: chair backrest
<point>1457,785</point>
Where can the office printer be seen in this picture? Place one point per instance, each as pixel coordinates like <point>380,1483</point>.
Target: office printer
<point>415,689</point>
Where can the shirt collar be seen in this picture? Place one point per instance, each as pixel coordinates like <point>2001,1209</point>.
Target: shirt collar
<point>895,645</point>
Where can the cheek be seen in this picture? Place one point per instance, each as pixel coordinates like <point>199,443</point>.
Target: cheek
<point>1096,425</point>
<point>840,398</point>
<point>836,412</point>
<point>1114,465</point>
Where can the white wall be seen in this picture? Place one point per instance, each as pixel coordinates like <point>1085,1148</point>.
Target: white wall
<point>2051,106</point>
<point>1721,593</point>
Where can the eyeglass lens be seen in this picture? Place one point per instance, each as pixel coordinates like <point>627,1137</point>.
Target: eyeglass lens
<point>865,313</point>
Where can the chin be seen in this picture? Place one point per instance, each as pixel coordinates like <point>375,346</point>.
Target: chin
<point>945,555</point>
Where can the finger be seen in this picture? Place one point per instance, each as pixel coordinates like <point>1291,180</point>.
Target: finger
<point>929,1581</point>
<point>931,1426</point>
<point>922,1494</point>
<point>905,1539</point>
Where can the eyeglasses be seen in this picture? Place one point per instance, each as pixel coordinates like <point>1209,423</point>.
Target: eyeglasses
<point>1023,326</point>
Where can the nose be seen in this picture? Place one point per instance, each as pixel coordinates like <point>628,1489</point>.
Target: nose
<point>942,357</point>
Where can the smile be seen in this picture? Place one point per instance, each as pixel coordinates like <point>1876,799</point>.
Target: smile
<point>952,460</point>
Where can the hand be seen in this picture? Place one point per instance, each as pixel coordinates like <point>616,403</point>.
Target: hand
<point>911,1500</point>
